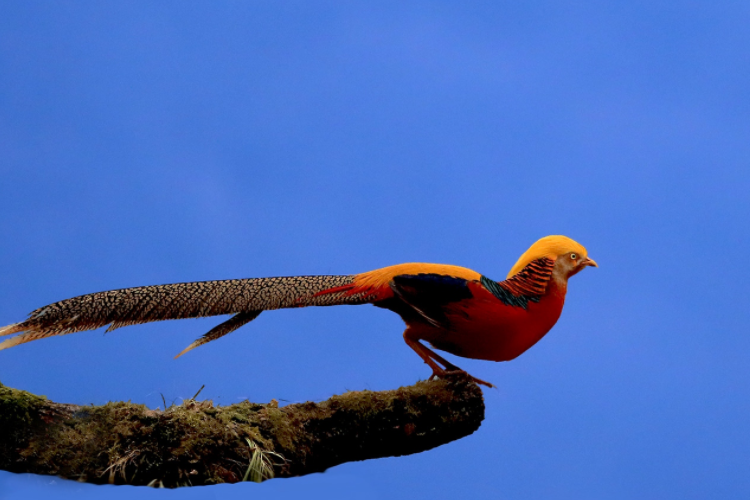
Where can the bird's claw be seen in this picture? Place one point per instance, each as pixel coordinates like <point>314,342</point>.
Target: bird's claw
<point>453,370</point>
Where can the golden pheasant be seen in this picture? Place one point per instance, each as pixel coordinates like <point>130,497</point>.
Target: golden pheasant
<point>453,308</point>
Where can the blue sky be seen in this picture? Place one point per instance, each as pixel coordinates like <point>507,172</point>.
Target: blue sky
<point>147,143</point>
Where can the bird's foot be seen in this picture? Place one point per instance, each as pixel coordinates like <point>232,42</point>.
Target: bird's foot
<point>454,370</point>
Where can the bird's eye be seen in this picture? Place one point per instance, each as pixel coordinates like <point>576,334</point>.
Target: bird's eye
<point>573,256</point>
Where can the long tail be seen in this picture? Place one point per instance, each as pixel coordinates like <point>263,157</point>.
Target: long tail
<point>245,298</point>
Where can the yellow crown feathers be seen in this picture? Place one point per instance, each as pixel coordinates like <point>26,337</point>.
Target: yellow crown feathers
<point>549,246</point>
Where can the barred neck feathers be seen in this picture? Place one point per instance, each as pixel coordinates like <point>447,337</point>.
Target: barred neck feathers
<point>527,285</point>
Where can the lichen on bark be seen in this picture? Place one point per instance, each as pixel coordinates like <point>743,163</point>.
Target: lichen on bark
<point>197,443</point>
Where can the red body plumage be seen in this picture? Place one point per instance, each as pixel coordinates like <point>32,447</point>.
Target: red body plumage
<point>484,328</point>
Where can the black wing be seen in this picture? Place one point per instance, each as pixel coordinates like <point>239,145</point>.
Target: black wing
<point>427,294</point>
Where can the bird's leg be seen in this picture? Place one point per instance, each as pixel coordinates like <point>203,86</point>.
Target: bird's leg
<point>447,364</point>
<point>424,353</point>
<point>429,357</point>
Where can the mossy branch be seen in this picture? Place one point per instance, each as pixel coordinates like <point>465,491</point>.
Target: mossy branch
<point>198,443</point>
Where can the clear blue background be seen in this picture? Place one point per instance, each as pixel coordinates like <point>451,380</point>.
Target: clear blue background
<point>156,142</point>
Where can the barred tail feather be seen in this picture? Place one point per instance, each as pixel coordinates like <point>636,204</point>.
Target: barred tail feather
<point>11,329</point>
<point>130,306</point>
<point>228,326</point>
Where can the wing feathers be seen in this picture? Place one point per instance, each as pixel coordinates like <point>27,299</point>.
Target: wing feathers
<point>427,294</point>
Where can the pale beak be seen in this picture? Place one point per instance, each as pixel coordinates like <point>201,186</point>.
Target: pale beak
<point>590,262</point>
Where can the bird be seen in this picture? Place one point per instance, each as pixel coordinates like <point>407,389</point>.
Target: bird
<point>452,308</point>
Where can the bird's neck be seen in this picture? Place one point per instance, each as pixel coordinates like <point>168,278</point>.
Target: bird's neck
<point>557,287</point>
<point>558,282</point>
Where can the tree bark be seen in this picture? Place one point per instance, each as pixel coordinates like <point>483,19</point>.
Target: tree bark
<point>197,443</point>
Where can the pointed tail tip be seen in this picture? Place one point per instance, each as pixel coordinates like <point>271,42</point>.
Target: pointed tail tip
<point>12,342</point>
<point>188,348</point>
<point>10,329</point>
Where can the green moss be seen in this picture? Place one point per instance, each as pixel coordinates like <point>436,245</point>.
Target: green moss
<point>141,444</point>
<point>19,416</point>
<point>199,443</point>
<point>18,408</point>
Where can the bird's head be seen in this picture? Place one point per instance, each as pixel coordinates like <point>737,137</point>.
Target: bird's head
<point>569,256</point>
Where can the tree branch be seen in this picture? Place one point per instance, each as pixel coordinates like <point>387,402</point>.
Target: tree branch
<point>198,443</point>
